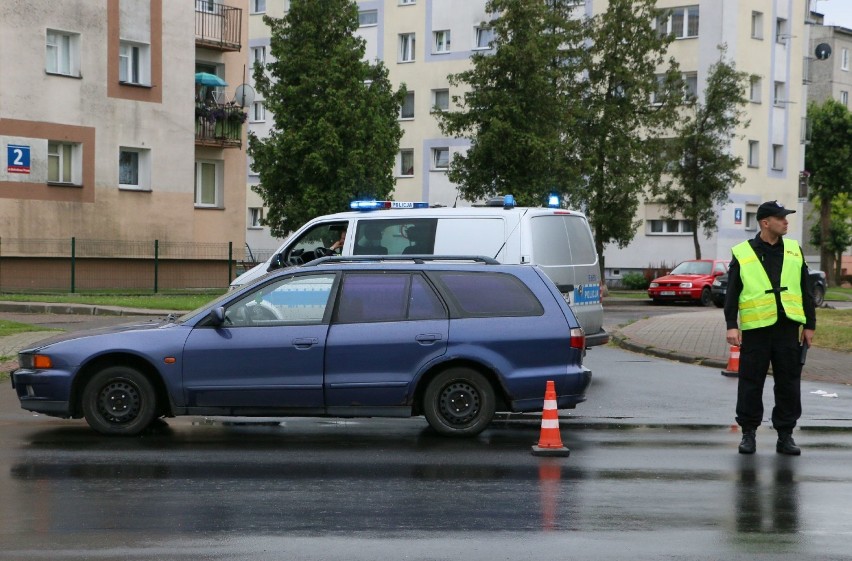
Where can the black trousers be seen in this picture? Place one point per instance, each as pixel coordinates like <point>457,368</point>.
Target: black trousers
<point>778,345</point>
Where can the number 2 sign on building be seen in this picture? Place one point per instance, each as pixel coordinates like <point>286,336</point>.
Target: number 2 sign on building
<point>17,158</point>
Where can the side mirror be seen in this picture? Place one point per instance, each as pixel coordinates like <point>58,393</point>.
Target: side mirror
<point>217,316</point>
<point>277,262</point>
<point>718,273</point>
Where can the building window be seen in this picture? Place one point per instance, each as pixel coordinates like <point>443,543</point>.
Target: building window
<point>258,55</point>
<point>690,81</point>
<point>681,22</point>
<point>368,18</point>
<point>442,41</point>
<point>258,6</point>
<point>208,183</point>
<point>254,217</point>
<point>134,168</point>
<point>258,112</point>
<point>440,158</point>
<point>844,98</point>
<point>133,63</point>
<point>778,157</point>
<point>406,47</point>
<point>62,54</point>
<point>63,163</point>
<point>669,227</point>
<point>781,31</point>
<point>753,153</point>
<point>778,94</point>
<point>483,37</point>
<point>205,6</point>
<point>407,109</point>
<point>844,59</point>
<point>756,89</point>
<point>757,25</point>
<point>440,100</point>
<point>407,2</point>
<point>751,221</point>
<point>406,163</point>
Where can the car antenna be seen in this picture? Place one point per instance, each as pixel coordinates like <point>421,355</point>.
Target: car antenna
<point>526,210</point>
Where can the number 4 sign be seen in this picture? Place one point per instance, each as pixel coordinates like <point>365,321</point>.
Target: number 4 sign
<point>17,158</point>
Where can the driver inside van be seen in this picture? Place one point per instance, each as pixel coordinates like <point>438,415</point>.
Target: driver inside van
<point>337,247</point>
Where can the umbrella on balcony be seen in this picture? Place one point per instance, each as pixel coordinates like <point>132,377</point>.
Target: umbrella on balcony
<point>207,79</point>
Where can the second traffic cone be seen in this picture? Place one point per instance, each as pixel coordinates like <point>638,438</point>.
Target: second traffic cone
<point>550,441</point>
<point>733,368</point>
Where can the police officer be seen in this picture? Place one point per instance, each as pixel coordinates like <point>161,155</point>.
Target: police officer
<point>768,287</point>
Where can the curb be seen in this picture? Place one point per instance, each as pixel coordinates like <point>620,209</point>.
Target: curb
<point>679,356</point>
<point>77,309</point>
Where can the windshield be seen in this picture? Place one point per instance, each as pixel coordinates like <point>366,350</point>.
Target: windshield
<point>693,268</point>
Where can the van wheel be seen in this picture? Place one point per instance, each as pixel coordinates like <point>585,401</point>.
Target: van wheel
<point>459,402</point>
<point>119,401</point>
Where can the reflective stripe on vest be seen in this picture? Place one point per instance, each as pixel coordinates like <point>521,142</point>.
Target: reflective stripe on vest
<point>757,299</point>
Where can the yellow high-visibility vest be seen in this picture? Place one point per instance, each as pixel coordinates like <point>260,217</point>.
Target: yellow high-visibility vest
<point>757,299</point>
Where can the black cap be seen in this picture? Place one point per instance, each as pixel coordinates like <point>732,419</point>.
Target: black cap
<point>772,208</point>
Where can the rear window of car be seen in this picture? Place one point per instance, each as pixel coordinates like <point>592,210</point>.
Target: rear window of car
<point>483,294</point>
<point>562,239</point>
<point>374,297</point>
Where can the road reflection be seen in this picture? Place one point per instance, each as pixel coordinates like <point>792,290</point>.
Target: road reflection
<point>767,501</point>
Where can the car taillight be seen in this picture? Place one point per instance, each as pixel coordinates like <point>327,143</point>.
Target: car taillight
<point>578,338</point>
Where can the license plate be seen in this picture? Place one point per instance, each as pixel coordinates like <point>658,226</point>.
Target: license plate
<point>667,293</point>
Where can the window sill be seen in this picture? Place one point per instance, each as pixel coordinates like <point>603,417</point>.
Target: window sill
<point>406,119</point>
<point>437,53</point>
<point>681,234</point>
<point>208,207</point>
<point>63,184</point>
<point>134,189</point>
<point>255,227</point>
<point>253,122</point>
<point>135,85</point>
<point>444,170</point>
<point>405,61</point>
<point>752,166</point>
<point>405,176</point>
<point>63,75</point>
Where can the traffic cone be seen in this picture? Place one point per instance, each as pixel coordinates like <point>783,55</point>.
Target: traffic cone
<point>550,442</point>
<point>733,368</point>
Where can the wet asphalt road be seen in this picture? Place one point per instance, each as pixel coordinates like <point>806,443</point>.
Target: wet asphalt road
<point>653,473</point>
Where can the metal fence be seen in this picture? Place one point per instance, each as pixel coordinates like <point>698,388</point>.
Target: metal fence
<point>73,264</point>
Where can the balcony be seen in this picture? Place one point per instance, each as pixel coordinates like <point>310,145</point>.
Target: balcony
<point>218,26</point>
<point>219,125</point>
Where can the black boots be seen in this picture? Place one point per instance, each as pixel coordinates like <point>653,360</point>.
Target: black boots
<point>748,444</point>
<point>785,444</point>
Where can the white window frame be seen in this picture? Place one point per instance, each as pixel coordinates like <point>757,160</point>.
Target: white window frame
<point>844,59</point>
<point>690,85</point>
<point>258,6</point>
<point>757,25</point>
<point>255,215</point>
<point>781,33</point>
<point>778,157</point>
<point>778,92</point>
<point>751,220</point>
<point>62,53</point>
<point>65,152</point>
<point>844,98</point>
<point>440,92</point>
<point>753,153</point>
<point>686,14</point>
<point>258,55</point>
<point>372,15</point>
<point>402,155</point>
<point>407,46</point>
<point>134,63</point>
<point>756,89</point>
<point>143,169</point>
<point>668,227</point>
<point>206,6</point>
<point>482,37</point>
<point>258,112</point>
<point>407,2</point>
<point>441,158</point>
<point>402,115</point>
<point>442,41</point>
<point>199,195</point>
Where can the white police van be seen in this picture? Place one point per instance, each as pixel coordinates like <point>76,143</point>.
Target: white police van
<point>558,241</point>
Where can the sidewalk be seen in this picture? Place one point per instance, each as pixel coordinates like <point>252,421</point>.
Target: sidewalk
<point>699,338</point>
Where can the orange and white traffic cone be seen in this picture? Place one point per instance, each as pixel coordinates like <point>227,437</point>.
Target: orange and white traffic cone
<point>550,441</point>
<point>733,368</point>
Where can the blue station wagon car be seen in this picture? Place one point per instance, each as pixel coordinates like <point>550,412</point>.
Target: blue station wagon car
<point>454,339</point>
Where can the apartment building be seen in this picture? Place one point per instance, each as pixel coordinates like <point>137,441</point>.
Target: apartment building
<point>423,41</point>
<point>99,137</point>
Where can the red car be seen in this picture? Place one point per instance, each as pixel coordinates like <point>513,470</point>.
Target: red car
<point>691,280</point>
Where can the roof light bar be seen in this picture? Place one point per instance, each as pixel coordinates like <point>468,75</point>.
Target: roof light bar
<point>382,205</point>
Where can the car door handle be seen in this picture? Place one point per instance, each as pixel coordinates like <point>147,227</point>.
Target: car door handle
<point>305,342</point>
<point>428,338</point>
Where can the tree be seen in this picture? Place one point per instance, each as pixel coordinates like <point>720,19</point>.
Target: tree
<point>703,166</point>
<point>517,110</point>
<point>839,233</point>
<point>622,129</point>
<point>828,161</point>
<point>335,133</point>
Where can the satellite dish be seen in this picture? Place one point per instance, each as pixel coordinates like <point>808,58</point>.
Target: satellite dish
<point>244,95</point>
<point>823,51</point>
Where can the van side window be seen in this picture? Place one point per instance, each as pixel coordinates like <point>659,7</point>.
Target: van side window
<point>561,240</point>
<point>395,236</point>
<point>473,294</point>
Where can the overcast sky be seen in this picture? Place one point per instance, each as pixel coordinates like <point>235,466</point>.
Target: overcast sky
<point>837,12</point>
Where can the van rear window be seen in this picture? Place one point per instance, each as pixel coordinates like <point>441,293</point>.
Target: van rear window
<point>482,294</point>
<point>561,239</point>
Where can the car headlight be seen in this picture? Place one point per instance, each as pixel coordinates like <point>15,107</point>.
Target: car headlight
<point>686,285</point>
<point>34,361</point>
<point>717,283</point>
<point>654,285</point>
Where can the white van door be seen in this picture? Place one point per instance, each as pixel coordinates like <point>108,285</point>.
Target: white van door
<point>471,236</point>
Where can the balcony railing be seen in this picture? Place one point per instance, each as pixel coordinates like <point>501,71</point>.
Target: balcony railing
<point>218,26</point>
<point>219,125</point>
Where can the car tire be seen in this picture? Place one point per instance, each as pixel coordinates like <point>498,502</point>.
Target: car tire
<point>819,295</point>
<point>119,401</point>
<point>459,402</point>
<point>706,297</point>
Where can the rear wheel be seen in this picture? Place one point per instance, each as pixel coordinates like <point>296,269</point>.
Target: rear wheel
<point>119,400</point>
<point>706,297</point>
<point>819,295</point>
<point>459,402</point>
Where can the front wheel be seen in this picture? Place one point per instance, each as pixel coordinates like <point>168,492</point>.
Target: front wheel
<point>459,402</point>
<point>119,401</point>
<point>819,295</point>
<point>706,297</point>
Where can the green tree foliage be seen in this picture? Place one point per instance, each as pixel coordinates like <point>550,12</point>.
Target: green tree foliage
<point>519,105</point>
<point>335,133</point>
<point>839,232</point>
<point>703,167</point>
<point>827,159</point>
<point>620,136</point>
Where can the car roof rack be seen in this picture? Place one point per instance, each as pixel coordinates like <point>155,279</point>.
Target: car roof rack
<point>419,259</point>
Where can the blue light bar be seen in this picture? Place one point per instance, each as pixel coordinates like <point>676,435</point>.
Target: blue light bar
<point>380,205</point>
<point>553,201</point>
<point>508,202</point>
